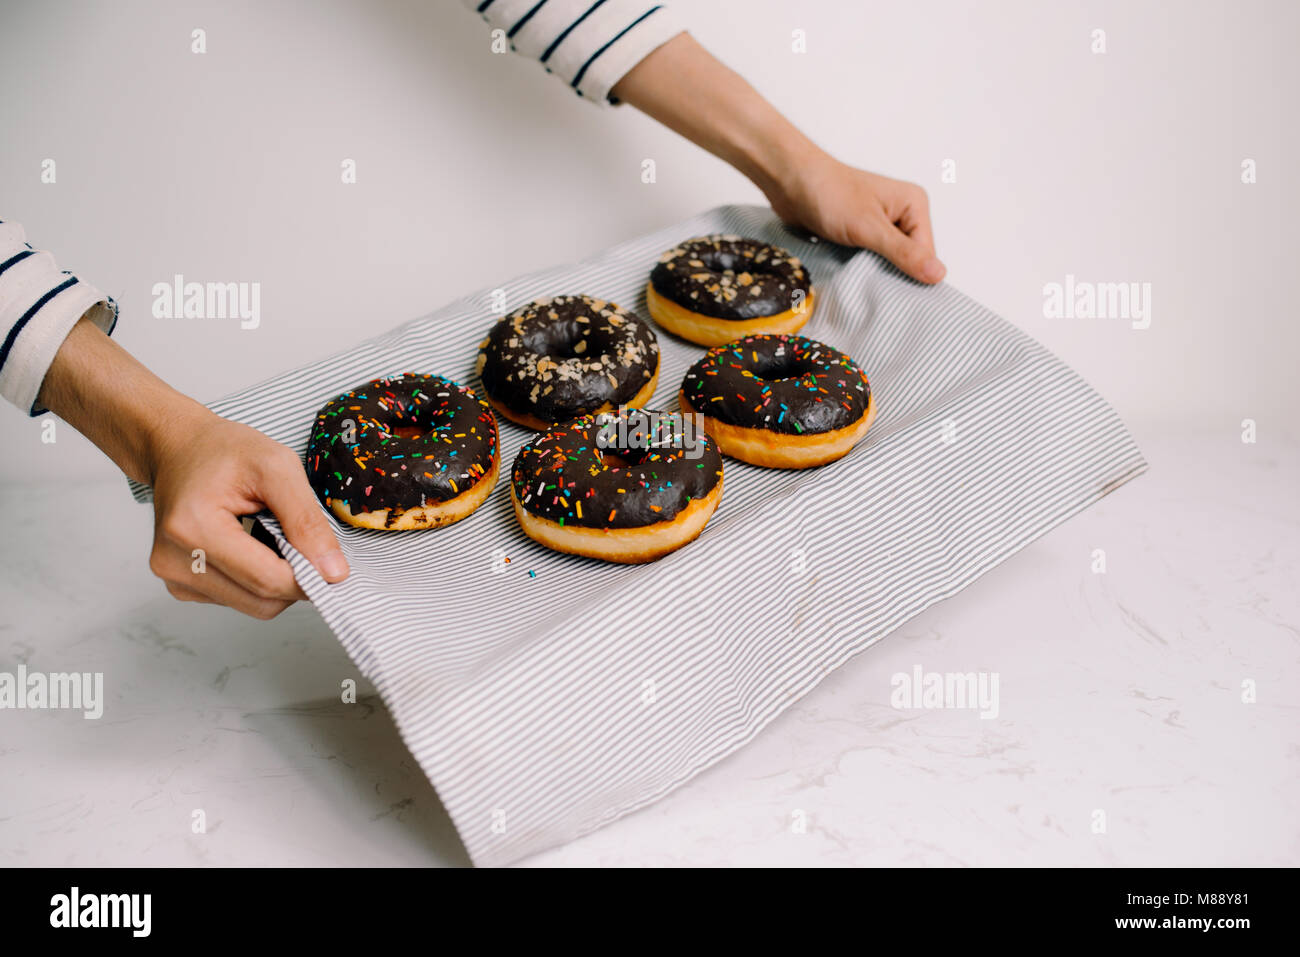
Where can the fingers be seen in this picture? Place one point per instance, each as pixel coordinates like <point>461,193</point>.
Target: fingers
<point>200,548</point>
<point>908,253</point>
<point>181,593</point>
<point>289,495</point>
<point>915,222</point>
<point>256,568</point>
<point>188,579</point>
<point>897,225</point>
<point>221,542</point>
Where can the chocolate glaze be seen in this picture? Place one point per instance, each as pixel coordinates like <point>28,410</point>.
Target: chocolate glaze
<point>356,455</point>
<point>787,384</point>
<point>562,475</point>
<point>729,277</point>
<point>567,356</point>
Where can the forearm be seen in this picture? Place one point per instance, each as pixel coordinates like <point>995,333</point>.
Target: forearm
<point>103,392</point>
<point>684,87</point>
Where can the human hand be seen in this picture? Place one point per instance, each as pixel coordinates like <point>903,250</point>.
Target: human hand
<point>207,472</point>
<point>856,208</point>
<point>682,86</point>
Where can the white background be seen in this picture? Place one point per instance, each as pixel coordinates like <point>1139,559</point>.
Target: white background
<point>474,167</point>
<point>1121,692</point>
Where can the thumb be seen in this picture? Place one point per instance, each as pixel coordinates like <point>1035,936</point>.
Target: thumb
<point>909,255</point>
<point>289,496</point>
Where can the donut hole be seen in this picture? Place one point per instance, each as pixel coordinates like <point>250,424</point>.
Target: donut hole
<point>726,263</point>
<point>565,338</point>
<point>778,368</point>
<point>615,460</point>
<point>416,423</point>
<point>568,349</point>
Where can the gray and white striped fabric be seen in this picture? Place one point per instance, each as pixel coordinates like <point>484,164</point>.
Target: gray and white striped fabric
<point>545,705</point>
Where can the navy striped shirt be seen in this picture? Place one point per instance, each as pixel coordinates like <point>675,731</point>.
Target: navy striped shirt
<point>39,305</point>
<point>588,44</point>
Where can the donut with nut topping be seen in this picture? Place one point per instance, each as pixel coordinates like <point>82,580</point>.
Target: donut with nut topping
<point>555,359</point>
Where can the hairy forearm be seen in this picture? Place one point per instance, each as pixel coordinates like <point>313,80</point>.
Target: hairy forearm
<point>100,389</point>
<point>684,87</point>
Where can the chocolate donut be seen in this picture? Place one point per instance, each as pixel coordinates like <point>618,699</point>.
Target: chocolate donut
<point>626,487</point>
<point>413,451</point>
<point>715,289</point>
<point>780,401</point>
<point>555,359</point>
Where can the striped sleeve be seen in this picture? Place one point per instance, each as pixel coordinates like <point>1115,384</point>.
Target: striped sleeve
<point>39,305</point>
<point>589,44</point>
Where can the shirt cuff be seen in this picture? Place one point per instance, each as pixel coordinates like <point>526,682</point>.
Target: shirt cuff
<point>39,305</point>
<point>642,37</point>
<point>589,46</point>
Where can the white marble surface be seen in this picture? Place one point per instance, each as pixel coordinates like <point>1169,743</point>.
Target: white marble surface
<point>1119,692</point>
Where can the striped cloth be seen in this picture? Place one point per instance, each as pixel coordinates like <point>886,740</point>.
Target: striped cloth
<point>553,694</point>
